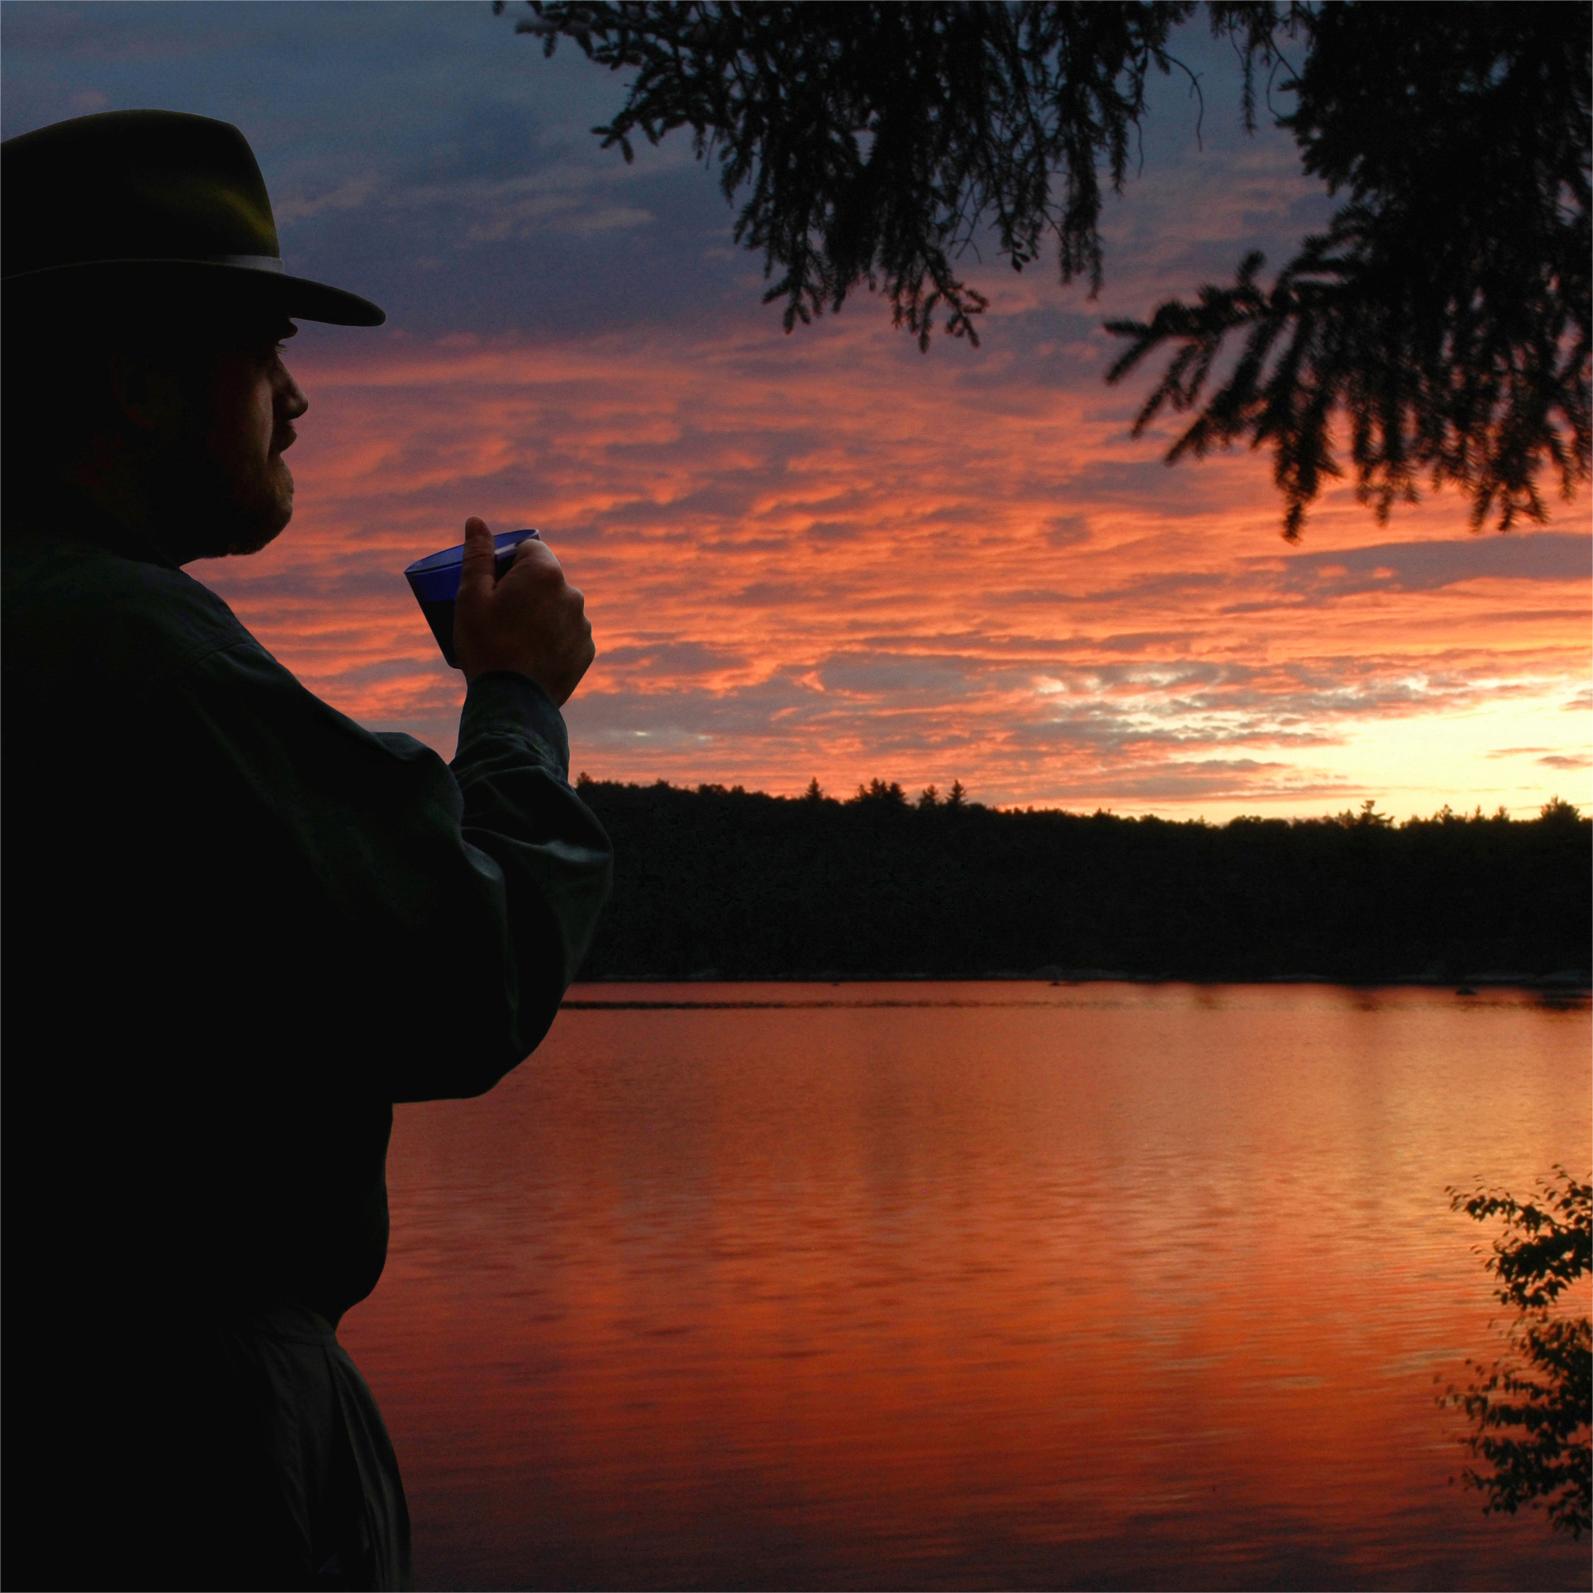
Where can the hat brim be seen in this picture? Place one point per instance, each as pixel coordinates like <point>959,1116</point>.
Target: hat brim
<point>298,297</point>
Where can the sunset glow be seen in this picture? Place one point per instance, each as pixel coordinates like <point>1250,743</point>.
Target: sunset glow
<point>825,554</point>
<point>1038,1037</point>
<point>835,557</point>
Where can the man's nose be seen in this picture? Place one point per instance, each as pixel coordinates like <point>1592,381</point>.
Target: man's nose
<point>291,401</point>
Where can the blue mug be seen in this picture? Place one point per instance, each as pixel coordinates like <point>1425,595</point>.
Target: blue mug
<point>435,582</point>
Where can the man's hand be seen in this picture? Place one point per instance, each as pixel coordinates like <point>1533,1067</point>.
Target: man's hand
<point>531,620</point>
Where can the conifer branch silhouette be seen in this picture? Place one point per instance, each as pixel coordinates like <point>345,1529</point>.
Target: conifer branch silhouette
<point>1438,329</point>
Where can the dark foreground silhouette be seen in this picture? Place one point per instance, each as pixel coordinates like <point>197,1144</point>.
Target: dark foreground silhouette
<point>1529,1411</point>
<point>742,885</point>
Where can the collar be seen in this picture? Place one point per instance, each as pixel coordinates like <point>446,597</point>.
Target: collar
<point>59,513</point>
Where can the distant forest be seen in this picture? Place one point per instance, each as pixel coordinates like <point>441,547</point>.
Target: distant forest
<point>735,884</point>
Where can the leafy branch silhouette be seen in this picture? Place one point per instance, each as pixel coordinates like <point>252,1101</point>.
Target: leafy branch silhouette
<point>1530,1411</point>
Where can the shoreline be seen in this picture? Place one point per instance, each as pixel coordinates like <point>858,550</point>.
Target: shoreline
<point>1569,981</point>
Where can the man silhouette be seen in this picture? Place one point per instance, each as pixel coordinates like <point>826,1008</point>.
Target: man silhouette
<point>238,927</point>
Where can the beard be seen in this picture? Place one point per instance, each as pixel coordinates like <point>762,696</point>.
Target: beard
<point>217,506</point>
<point>263,516</point>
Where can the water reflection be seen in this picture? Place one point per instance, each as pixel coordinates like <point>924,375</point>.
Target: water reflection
<point>1111,1286</point>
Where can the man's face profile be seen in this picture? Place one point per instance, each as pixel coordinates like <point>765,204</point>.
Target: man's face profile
<point>256,402</point>
<point>246,418</point>
<point>204,406</point>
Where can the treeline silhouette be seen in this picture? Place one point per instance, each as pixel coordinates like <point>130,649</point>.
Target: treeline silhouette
<point>741,885</point>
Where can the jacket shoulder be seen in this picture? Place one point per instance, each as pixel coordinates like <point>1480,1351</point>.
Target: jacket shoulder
<point>76,610</point>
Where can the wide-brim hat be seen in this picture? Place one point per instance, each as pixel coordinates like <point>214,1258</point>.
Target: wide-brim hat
<point>155,197</point>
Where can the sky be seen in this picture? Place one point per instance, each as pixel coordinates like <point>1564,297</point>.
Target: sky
<point>823,554</point>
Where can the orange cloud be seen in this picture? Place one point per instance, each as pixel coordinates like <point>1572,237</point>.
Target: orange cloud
<point>830,555</point>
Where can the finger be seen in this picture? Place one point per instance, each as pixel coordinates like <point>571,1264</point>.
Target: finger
<point>475,569</point>
<point>535,559</point>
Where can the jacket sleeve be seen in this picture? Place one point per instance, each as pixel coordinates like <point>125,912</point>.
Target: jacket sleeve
<point>543,855</point>
<point>396,926</point>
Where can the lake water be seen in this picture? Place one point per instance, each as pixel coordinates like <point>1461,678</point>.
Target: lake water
<point>968,1285</point>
